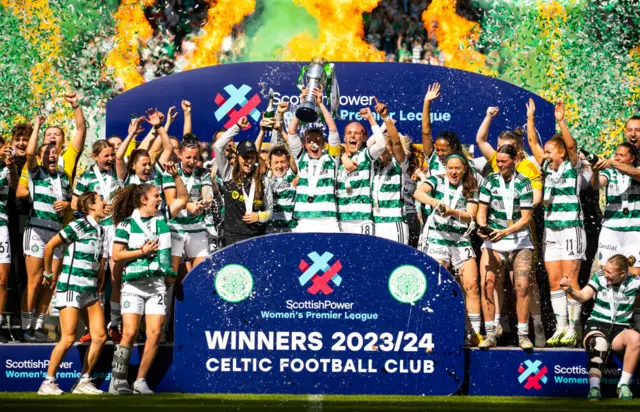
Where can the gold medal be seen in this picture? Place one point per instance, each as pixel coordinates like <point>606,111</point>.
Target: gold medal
<point>349,191</point>
<point>510,222</point>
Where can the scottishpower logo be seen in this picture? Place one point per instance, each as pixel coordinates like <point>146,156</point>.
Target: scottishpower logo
<point>532,375</point>
<point>237,104</point>
<point>320,273</point>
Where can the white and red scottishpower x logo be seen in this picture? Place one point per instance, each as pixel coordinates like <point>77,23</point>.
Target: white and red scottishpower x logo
<point>237,97</point>
<point>320,281</point>
<point>532,375</point>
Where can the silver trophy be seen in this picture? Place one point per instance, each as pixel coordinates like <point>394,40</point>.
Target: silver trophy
<point>315,78</point>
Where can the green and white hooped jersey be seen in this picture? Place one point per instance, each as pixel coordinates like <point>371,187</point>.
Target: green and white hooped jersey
<point>4,196</point>
<point>386,191</point>
<point>448,231</point>
<point>44,190</point>
<point>81,263</point>
<point>284,198</point>
<point>562,196</point>
<point>436,168</point>
<point>133,238</point>
<point>106,185</point>
<point>608,297</point>
<point>490,194</point>
<point>321,202</point>
<point>354,188</point>
<point>186,222</point>
<point>623,192</point>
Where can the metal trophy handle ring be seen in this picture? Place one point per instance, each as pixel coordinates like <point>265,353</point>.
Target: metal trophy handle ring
<point>315,78</point>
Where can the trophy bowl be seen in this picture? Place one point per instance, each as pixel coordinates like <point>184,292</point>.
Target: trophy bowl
<point>315,78</point>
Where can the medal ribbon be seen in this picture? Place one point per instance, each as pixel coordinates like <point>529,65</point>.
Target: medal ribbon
<point>248,199</point>
<point>105,187</point>
<point>378,177</point>
<point>314,175</point>
<point>508,196</point>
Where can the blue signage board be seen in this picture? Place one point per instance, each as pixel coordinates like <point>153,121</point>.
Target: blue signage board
<point>497,372</point>
<point>23,367</point>
<point>319,314</point>
<point>542,372</point>
<point>220,95</point>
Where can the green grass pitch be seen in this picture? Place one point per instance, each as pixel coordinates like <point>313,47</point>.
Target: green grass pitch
<point>179,402</point>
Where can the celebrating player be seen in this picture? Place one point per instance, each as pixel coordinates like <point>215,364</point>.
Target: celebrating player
<point>354,176</point>
<point>247,200</point>
<point>50,191</point>
<point>621,223</point>
<point>504,214</point>
<point>564,236</point>
<point>446,238</point>
<point>77,289</point>
<point>315,207</point>
<point>445,144</point>
<point>609,326</point>
<point>143,243</point>
<point>386,184</point>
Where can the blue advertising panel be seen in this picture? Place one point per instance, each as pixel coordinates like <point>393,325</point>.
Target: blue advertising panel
<point>319,314</point>
<point>543,372</point>
<point>220,95</point>
<point>24,366</point>
<point>497,372</point>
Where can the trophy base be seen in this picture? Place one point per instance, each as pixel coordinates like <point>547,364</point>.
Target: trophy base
<point>307,112</point>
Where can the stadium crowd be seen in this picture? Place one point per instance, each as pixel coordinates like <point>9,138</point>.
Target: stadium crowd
<point>122,233</point>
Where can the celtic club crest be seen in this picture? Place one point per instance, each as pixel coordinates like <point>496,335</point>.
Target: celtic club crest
<point>407,284</point>
<point>234,283</point>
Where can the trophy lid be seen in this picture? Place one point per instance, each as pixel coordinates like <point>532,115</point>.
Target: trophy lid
<point>319,60</point>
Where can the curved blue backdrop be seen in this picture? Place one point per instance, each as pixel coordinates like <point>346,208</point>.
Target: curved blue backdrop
<point>319,314</point>
<point>220,94</point>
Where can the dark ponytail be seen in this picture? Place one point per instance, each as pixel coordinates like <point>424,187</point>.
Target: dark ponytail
<point>126,200</point>
<point>85,201</point>
<point>452,140</point>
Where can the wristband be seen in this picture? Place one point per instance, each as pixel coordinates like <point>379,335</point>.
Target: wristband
<point>48,276</point>
<point>142,250</point>
<point>386,118</point>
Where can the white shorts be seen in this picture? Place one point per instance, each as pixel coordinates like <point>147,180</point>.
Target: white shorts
<point>5,245</point>
<point>397,231</point>
<point>144,297</point>
<point>504,247</point>
<point>73,299</point>
<point>564,244</point>
<point>107,244</point>
<point>357,227</point>
<point>34,241</point>
<point>324,225</point>
<point>193,244</point>
<point>613,242</point>
<point>456,256</point>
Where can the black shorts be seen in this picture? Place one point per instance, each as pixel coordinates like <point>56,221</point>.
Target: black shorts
<point>609,330</point>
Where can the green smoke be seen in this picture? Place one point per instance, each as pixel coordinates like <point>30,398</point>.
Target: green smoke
<point>279,21</point>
